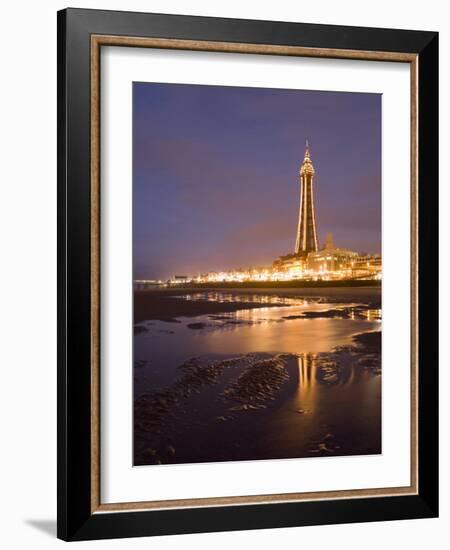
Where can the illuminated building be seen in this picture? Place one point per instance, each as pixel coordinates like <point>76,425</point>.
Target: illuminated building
<point>143,284</point>
<point>292,264</point>
<point>306,231</point>
<point>331,258</point>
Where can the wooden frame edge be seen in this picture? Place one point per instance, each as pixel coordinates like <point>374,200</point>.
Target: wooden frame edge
<point>95,273</point>
<point>230,47</point>
<point>414,220</point>
<point>236,47</point>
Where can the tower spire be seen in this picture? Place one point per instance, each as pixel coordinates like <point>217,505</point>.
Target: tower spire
<point>307,153</point>
<point>306,231</point>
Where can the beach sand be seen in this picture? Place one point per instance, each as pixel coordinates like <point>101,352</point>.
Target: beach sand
<point>260,405</point>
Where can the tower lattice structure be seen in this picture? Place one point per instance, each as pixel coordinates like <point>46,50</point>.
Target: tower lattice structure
<point>306,232</point>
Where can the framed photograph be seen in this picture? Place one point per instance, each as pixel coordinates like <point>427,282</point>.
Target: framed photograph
<point>247,274</point>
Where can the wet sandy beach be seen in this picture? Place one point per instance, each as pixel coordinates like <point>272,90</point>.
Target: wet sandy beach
<point>242,375</point>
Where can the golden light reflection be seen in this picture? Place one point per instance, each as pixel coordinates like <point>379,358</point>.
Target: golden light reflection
<point>314,371</point>
<point>307,382</point>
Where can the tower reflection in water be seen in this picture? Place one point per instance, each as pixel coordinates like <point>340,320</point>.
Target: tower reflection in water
<point>315,373</point>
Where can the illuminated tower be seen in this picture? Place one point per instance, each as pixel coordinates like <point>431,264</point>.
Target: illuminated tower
<point>306,231</point>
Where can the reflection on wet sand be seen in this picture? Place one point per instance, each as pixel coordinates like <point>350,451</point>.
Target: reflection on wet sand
<point>337,401</point>
<point>253,384</point>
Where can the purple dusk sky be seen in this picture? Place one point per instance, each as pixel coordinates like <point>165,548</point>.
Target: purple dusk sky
<point>215,174</point>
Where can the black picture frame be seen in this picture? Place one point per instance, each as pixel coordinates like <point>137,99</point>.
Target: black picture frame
<point>75,518</point>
